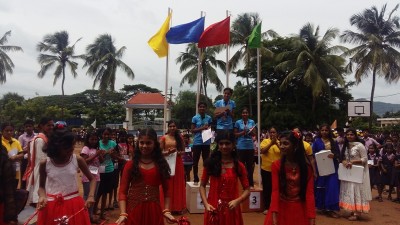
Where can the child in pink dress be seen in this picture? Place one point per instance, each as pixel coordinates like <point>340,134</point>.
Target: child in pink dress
<point>93,157</point>
<point>59,199</point>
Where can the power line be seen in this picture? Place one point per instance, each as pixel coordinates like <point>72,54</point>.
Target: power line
<point>387,95</point>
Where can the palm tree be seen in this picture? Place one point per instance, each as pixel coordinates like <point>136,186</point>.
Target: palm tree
<point>313,61</point>
<point>6,64</point>
<point>378,39</point>
<point>103,59</point>
<point>241,30</point>
<point>60,54</point>
<point>189,61</point>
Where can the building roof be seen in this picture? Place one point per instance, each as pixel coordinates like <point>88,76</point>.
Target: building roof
<point>146,101</point>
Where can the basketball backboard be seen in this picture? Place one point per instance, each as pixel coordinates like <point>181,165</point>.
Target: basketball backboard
<point>359,109</point>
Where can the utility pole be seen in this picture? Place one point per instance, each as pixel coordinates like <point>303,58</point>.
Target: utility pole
<point>170,95</point>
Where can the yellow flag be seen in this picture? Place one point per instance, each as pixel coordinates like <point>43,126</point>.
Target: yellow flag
<point>159,42</point>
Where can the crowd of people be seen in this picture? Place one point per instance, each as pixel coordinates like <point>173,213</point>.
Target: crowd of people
<point>145,176</point>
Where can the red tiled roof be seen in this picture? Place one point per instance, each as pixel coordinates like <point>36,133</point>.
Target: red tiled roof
<point>146,98</point>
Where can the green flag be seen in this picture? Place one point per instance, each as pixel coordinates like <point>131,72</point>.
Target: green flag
<point>255,37</point>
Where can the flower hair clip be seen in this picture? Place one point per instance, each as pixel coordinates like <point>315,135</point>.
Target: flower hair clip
<point>296,135</point>
<point>60,126</point>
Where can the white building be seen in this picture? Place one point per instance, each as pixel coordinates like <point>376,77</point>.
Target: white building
<point>383,122</point>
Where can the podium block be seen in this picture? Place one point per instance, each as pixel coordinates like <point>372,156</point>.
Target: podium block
<point>194,203</point>
<point>253,203</point>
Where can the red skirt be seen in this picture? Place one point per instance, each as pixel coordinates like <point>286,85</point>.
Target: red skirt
<point>288,213</point>
<point>58,209</point>
<point>2,214</point>
<point>146,213</point>
<point>225,217</point>
<point>176,187</point>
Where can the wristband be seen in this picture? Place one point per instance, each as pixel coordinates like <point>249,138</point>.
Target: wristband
<point>123,214</point>
<point>165,211</point>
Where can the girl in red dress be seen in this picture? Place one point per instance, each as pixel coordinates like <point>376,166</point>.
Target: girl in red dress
<point>170,143</point>
<point>292,200</point>
<point>130,142</point>
<point>222,206</point>
<point>139,195</point>
<point>58,186</point>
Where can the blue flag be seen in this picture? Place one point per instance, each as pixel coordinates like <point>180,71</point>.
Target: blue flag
<point>186,33</point>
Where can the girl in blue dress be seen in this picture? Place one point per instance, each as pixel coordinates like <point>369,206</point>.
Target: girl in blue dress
<point>327,187</point>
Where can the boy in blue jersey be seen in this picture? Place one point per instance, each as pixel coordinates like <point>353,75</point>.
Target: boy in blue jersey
<point>225,118</point>
<point>200,122</point>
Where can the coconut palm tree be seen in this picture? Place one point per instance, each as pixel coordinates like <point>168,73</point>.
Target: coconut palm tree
<point>6,64</point>
<point>313,61</point>
<point>103,59</point>
<point>189,61</point>
<point>377,40</point>
<point>57,52</point>
<point>241,30</point>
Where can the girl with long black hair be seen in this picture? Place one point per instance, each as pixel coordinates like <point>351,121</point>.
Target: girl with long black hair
<point>139,193</point>
<point>170,144</point>
<point>292,185</point>
<point>224,171</point>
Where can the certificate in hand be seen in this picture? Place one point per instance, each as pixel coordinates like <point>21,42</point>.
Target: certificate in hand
<point>206,135</point>
<point>355,174</point>
<point>325,165</point>
<point>171,160</point>
<point>221,109</point>
<point>251,129</point>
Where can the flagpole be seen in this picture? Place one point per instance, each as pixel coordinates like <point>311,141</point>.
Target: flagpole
<point>166,83</point>
<point>198,74</point>
<point>227,56</point>
<point>198,79</point>
<point>259,113</point>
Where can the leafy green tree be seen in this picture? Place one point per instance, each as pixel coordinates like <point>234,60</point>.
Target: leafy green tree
<point>377,40</point>
<point>188,61</point>
<point>6,64</point>
<point>131,90</point>
<point>103,59</point>
<point>313,62</point>
<point>57,52</point>
<point>19,99</point>
<point>242,28</point>
<point>286,108</point>
<point>184,108</point>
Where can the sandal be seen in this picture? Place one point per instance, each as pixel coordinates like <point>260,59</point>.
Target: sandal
<point>95,221</point>
<point>96,211</point>
<point>380,199</point>
<point>396,200</point>
<point>103,216</point>
<point>333,214</point>
<point>389,197</point>
<point>353,218</point>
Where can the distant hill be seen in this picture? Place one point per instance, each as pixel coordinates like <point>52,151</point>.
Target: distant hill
<point>381,107</point>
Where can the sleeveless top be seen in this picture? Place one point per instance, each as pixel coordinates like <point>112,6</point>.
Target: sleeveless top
<point>62,179</point>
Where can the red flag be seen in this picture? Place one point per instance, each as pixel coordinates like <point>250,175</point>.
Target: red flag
<point>216,34</point>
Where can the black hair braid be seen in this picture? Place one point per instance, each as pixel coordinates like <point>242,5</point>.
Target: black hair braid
<point>213,164</point>
<point>59,139</point>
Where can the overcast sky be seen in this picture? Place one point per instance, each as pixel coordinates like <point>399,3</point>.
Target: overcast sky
<point>132,22</point>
